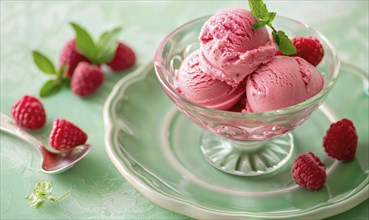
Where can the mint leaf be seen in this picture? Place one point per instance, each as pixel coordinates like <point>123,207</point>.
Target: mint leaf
<point>85,43</point>
<point>107,45</point>
<point>259,24</point>
<point>258,9</point>
<point>271,16</point>
<point>51,87</point>
<point>43,63</point>
<point>284,43</point>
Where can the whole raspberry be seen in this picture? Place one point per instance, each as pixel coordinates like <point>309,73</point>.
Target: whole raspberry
<point>29,112</point>
<point>309,48</point>
<point>86,79</point>
<point>340,140</point>
<point>70,57</point>
<point>308,171</point>
<point>65,135</point>
<point>124,58</point>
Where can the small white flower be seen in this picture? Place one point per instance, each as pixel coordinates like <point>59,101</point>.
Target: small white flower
<point>41,193</point>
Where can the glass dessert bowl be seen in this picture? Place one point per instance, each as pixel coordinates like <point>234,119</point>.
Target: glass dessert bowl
<point>243,143</point>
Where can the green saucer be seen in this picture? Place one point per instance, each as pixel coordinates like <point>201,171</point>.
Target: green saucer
<point>157,149</point>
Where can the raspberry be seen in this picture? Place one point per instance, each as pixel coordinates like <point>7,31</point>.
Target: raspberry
<point>65,135</point>
<point>340,140</point>
<point>86,79</point>
<point>309,48</point>
<point>308,171</point>
<point>71,57</point>
<point>124,58</point>
<point>29,112</point>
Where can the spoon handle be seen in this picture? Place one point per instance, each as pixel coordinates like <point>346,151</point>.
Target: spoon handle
<point>9,126</point>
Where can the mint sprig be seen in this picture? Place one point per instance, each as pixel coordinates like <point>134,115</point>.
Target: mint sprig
<point>259,10</point>
<point>41,193</point>
<point>54,85</point>
<point>99,52</point>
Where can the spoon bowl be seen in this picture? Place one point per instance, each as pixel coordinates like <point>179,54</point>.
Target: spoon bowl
<point>51,162</point>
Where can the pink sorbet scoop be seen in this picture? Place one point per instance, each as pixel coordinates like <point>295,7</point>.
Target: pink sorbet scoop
<point>199,87</point>
<point>283,82</point>
<point>231,49</point>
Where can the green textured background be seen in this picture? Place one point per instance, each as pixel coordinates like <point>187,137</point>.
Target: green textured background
<point>97,189</point>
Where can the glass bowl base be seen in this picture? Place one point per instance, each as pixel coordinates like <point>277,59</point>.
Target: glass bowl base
<point>244,158</point>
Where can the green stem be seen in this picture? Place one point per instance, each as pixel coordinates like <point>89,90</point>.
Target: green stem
<point>64,195</point>
<point>273,29</point>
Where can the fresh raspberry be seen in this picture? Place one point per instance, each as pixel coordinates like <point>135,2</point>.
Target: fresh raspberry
<point>124,58</point>
<point>308,171</point>
<point>86,79</point>
<point>65,135</point>
<point>340,141</point>
<point>29,112</point>
<point>70,57</point>
<point>309,48</point>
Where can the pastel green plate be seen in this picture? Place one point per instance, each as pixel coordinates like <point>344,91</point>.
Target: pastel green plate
<point>156,148</point>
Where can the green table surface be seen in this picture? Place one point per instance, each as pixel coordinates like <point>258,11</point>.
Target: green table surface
<point>97,190</point>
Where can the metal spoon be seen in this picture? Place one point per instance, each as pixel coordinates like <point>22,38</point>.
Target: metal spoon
<point>52,162</point>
